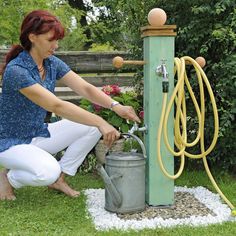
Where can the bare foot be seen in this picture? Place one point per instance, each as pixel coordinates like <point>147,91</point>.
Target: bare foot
<point>62,186</point>
<point>6,190</point>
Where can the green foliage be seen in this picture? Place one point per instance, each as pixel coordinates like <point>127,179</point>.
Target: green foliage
<point>204,27</point>
<point>210,31</point>
<point>128,98</point>
<point>11,16</point>
<point>119,22</point>
<point>89,164</point>
<point>13,12</point>
<point>101,47</point>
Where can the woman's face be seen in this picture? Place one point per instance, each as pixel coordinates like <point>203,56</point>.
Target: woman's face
<point>43,44</point>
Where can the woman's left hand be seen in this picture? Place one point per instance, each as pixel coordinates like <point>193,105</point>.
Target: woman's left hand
<point>126,112</point>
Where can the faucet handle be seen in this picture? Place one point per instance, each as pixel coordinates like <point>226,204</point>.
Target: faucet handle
<point>134,128</point>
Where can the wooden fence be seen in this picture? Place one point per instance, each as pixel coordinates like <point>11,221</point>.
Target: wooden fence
<point>94,67</point>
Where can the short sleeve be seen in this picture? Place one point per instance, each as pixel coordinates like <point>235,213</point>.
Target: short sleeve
<point>17,77</point>
<point>62,68</point>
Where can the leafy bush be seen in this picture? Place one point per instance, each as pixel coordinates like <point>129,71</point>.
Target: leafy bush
<point>128,98</point>
<point>206,28</point>
<point>95,47</point>
<point>13,12</point>
<point>89,164</point>
<point>210,31</point>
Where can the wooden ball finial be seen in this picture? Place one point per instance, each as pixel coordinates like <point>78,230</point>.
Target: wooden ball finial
<point>118,62</point>
<point>157,17</point>
<point>201,61</point>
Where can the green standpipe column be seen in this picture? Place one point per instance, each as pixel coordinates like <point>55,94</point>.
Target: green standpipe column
<point>158,47</point>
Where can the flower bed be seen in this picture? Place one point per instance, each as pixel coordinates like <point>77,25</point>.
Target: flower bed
<point>129,98</point>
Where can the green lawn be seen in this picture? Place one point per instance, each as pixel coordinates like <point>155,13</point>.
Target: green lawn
<point>38,211</point>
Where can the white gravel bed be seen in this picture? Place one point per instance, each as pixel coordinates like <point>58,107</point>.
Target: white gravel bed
<point>104,220</point>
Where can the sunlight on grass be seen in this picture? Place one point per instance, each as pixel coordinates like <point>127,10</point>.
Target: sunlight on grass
<point>39,211</point>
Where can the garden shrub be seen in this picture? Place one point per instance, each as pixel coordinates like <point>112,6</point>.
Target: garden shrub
<point>208,28</point>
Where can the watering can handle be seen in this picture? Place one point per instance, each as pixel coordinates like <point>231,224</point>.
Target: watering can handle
<point>138,140</point>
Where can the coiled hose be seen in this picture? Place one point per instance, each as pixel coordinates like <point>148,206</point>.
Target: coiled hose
<point>180,125</point>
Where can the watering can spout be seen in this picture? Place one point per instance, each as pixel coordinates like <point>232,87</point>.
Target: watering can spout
<point>116,197</point>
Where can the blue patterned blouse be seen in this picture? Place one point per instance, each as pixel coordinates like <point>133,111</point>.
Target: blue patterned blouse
<point>21,119</point>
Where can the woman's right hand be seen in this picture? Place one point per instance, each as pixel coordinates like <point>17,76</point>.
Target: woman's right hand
<point>109,133</point>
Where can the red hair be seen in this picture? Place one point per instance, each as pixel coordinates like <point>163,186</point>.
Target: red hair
<point>36,22</point>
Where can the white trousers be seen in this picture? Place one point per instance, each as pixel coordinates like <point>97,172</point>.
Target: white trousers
<point>33,164</point>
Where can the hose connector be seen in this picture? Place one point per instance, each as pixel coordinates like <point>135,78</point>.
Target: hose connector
<point>165,86</point>
<point>161,71</point>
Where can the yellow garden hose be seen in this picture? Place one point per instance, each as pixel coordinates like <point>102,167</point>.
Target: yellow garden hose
<point>180,123</point>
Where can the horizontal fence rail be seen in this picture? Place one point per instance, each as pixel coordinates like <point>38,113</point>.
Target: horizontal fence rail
<point>86,62</point>
<point>94,67</point>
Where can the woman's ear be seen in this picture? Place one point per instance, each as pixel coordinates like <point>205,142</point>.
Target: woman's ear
<point>32,37</point>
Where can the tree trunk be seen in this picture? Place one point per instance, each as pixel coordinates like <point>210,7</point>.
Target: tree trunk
<point>79,4</point>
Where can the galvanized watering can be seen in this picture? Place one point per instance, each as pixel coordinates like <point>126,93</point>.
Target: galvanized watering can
<point>124,178</point>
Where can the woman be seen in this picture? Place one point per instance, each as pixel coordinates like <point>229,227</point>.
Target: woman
<point>26,142</point>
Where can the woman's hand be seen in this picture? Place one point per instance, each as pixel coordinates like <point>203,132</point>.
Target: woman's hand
<point>109,133</point>
<point>126,112</point>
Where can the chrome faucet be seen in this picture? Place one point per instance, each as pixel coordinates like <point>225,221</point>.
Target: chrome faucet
<point>135,127</point>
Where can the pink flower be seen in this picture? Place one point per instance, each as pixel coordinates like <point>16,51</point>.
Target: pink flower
<point>97,107</point>
<point>111,89</point>
<point>115,89</point>
<point>107,89</point>
<point>141,114</point>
